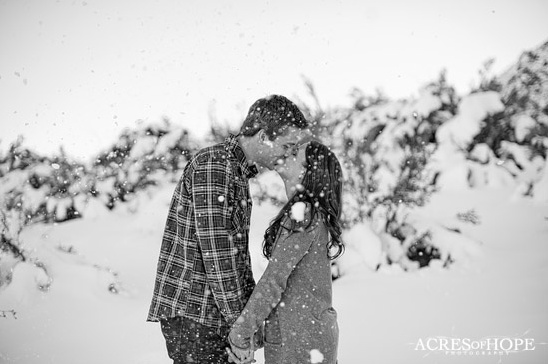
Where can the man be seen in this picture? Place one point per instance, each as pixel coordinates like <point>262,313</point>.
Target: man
<point>204,276</point>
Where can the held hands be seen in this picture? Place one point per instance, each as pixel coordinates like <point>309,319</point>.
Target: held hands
<point>242,352</point>
<point>247,356</point>
<point>243,356</point>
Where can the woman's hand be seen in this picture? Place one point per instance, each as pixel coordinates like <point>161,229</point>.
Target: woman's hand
<point>243,349</point>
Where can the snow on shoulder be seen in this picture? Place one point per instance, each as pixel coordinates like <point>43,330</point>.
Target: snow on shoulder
<point>297,211</point>
<point>316,356</point>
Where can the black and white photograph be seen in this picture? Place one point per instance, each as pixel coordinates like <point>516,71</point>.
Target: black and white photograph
<point>273,182</point>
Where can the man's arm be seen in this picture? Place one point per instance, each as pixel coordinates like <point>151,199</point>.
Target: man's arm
<point>212,195</point>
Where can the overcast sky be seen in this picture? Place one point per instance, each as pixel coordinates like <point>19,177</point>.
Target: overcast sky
<point>77,72</point>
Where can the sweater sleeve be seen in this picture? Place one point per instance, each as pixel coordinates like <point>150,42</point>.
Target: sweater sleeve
<point>289,250</point>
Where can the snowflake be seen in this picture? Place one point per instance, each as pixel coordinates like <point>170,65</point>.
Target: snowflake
<point>316,356</point>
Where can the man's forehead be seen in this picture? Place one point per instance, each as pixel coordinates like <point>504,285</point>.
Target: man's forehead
<point>293,133</point>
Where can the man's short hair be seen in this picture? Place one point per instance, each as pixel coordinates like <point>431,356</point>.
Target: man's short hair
<point>273,114</point>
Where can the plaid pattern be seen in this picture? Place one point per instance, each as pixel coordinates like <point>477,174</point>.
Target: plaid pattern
<point>204,269</point>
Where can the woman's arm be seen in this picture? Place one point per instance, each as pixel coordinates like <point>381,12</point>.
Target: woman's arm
<point>288,252</point>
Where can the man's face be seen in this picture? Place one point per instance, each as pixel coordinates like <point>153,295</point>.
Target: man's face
<point>276,151</point>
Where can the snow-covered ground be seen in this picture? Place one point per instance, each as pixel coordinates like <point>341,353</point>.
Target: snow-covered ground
<point>500,291</point>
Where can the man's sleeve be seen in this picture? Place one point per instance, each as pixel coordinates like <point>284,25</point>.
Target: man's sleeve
<point>212,196</point>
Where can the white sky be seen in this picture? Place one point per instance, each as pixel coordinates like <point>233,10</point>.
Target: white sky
<point>77,72</point>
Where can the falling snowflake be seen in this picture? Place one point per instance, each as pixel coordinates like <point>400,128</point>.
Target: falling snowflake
<point>221,199</point>
<point>316,356</point>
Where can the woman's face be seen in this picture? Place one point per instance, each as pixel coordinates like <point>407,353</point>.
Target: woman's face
<point>294,166</point>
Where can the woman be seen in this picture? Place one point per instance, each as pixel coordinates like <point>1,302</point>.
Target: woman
<point>294,295</point>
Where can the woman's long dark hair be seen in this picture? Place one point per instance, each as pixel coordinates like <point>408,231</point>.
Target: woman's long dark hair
<point>322,188</point>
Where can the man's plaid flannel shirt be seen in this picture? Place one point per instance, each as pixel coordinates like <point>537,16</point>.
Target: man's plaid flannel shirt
<point>204,269</point>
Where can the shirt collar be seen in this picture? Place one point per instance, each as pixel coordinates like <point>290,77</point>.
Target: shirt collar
<point>232,146</point>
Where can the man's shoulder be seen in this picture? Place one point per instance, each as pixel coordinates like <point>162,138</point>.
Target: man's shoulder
<point>212,153</point>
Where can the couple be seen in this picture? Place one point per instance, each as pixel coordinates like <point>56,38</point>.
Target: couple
<point>205,297</point>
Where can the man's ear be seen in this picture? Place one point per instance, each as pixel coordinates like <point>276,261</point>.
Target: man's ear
<point>262,136</point>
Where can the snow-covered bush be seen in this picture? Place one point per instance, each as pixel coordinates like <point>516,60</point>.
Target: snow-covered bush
<point>146,156</point>
<point>384,147</point>
<point>525,96</point>
<point>35,189</point>
<point>499,135</point>
<point>525,87</point>
<point>42,189</point>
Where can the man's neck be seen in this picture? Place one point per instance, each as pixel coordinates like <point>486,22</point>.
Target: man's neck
<point>246,148</point>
